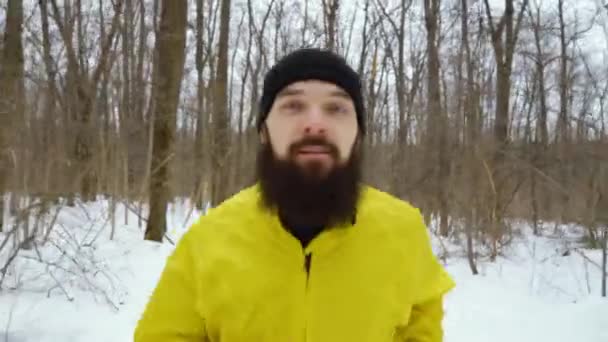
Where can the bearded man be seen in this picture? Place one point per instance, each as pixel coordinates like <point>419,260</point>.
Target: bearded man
<point>308,253</point>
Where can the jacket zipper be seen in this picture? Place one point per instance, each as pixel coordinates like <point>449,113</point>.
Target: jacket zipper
<point>307,262</point>
<point>307,267</point>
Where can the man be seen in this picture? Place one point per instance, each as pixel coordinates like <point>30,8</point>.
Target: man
<point>307,253</point>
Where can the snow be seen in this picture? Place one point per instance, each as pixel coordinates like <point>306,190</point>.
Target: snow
<point>527,300</point>
<point>532,293</point>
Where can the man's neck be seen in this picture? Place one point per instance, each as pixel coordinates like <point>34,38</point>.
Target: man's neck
<point>304,232</point>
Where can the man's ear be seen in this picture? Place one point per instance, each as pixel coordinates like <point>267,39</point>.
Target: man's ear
<point>359,139</point>
<point>264,134</point>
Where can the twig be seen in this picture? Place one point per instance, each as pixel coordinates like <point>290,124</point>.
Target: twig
<point>8,236</point>
<point>58,284</point>
<point>444,249</point>
<point>51,225</point>
<point>83,274</point>
<point>587,276</point>
<point>555,287</point>
<point>588,259</point>
<point>48,264</point>
<point>9,321</point>
<point>533,252</point>
<point>86,212</point>
<point>149,175</point>
<point>103,225</point>
<point>168,238</point>
<point>22,211</point>
<point>543,175</point>
<point>192,207</point>
<point>131,209</point>
<point>90,243</point>
<point>70,239</point>
<point>90,229</point>
<point>490,178</point>
<point>15,252</point>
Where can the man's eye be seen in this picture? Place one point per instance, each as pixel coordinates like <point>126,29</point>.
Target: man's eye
<point>293,106</point>
<point>336,108</point>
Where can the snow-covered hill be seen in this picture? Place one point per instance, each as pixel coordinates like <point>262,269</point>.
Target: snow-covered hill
<point>82,286</point>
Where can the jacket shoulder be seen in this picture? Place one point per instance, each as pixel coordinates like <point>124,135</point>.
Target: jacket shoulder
<point>376,202</point>
<point>405,225</point>
<point>236,212</point>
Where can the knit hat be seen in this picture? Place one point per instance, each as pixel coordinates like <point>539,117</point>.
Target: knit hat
<point>309,64</point>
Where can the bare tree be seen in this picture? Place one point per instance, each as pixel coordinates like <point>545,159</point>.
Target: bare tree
<point>305,24</point>
<point>504,38</point>
<point>504,49</point>
<point>255,50</point>
<point>541,60</point>
<point>472,134</point>
<point>128,117</point>
<point>82,89</point>
<point>221,116</point>
<point>404,95</point>
<point>436,123</point>
<point>604,260</point>
<point>330,19</point>
<point>52,98</point>
<point>459,120</point>
<point>171,45</point>
<point>563,130</point>
<point>12,92</point>
<point>200,61</point>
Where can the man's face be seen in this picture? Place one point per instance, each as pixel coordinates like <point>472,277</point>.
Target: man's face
<point>309,162</point>
<point>313,124</point>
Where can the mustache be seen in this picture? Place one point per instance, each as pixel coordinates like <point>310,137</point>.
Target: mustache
<point>319,202</point>
<point>314,141</point>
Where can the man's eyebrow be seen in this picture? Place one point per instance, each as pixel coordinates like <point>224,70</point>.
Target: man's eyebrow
<point>288,92</point>
<point>295,91</point>
<point>340,93</point>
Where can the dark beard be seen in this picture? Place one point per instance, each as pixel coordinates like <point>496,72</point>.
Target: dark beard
<point>304,196</point>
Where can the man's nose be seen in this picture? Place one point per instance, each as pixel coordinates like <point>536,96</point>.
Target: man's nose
<point>315,123</point>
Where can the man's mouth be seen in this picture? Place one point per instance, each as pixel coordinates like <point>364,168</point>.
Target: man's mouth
<point>314,149</point>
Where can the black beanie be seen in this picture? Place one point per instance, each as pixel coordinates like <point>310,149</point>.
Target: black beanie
<point>309,64</point>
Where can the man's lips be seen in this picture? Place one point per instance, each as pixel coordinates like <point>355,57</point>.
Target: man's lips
<point>314,149</point>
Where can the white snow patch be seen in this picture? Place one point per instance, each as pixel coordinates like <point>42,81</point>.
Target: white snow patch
<point>535,293</point>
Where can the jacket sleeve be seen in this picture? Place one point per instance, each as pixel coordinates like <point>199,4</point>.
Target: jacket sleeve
<point>170,314</point>
<point>432,283</point>
<point>425,322</point>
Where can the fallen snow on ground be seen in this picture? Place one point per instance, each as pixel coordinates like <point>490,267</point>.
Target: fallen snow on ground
<point>90,288</point>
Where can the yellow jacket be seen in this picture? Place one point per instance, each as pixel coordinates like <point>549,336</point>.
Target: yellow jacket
<point>237,275</point>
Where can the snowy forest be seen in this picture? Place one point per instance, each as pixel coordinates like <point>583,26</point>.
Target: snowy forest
<point>122,120</point>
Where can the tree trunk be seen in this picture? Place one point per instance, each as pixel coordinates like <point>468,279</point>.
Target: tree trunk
<point>604,259</point>
<point>12,92</point>
<point>243,130</point>
<point>305,26</point>
<point>330,18</point>
<point>399,164</point>
<point>200,117</point>
<point>127,122</point>
<point>504,38</point>
<point>82,90</point>
<point>52,97</point>
<point>148,118</point>
<point>171,43</point>
<point>562,125</point>
<point>83,147</point>
<point>471,139</point>
<point>436,124</point>
<point>139,88</point>
<point>541,140</point>
<point>221,117</point>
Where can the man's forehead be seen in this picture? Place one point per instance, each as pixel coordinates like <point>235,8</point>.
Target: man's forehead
<point>313,87</point>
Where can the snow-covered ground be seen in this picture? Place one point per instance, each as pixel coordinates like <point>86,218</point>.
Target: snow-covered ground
<point>90,288</point>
